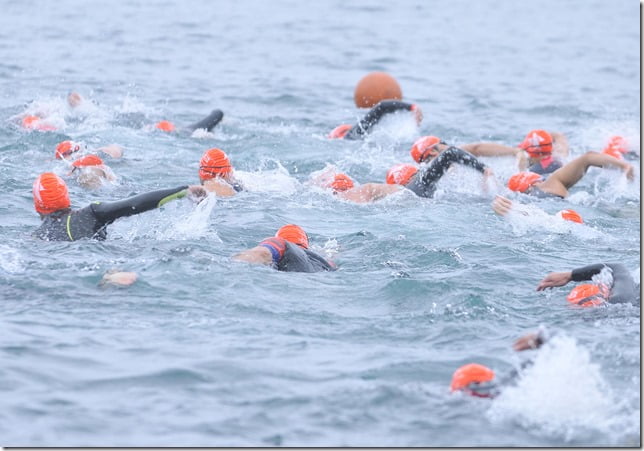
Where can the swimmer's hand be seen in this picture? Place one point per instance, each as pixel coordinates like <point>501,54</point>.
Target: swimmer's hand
<point>555,279</point>
<point>501,205</point>
<point>197,193</point>
<point>418,114</point>
<point>113,150</point>
<point>529,341</point>
<point>118,278</point>
<point>629,171</point>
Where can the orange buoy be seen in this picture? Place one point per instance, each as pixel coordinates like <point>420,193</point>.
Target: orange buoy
<point>374,87</point>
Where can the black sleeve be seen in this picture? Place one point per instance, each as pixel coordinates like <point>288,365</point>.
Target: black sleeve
<point>587,272</point>
<point>208,122</point>
<point>107,212</point>
<point>374,115</point>
<point>439,165</point>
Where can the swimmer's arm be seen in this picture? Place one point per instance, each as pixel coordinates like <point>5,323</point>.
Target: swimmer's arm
<point>466,159</point>
<point>257,255</point>
<point>219,187</point>
<point>107,212</point>
<point>113,150</point>
<point>489,149</point>
<point>375,115</point>
<point>586,272</point>
<point>560,146</point>
<point>209,122</point>
<point>603,160</point>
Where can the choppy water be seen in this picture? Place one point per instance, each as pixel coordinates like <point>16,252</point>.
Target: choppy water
<point>201,351</point>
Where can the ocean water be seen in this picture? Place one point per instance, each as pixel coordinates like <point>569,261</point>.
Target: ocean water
<point>204,351</point>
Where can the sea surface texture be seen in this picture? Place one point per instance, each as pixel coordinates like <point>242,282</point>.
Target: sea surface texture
<point>205,351</point>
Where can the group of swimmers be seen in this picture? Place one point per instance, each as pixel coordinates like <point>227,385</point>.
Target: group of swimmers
<point>540,159</point>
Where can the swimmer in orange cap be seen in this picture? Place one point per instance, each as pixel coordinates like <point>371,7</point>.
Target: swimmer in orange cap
<point>540,152</point>
<point>207,123</point>
<point>343,186</point>
<point>288,250</point>
<point>423,181</point>
<point>91,172</point>
<point>61,223</point>
<point>480,381</point>
<point>502,206</point>
<point>375,114</point>
<point>217,174</point>
<point>66,149</point>
<point>559,182</point>
<point>622,288</point>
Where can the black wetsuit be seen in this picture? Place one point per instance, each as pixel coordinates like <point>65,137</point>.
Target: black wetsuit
<point>423,183</point>
<point>91,221</point>
<point>624,288</point>
<point>208,122</point>
<point>362,128</point>
<point>551,166</point>
<point>293,258</point>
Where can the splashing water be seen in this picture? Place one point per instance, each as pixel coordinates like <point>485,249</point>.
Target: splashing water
<point>562,394</point>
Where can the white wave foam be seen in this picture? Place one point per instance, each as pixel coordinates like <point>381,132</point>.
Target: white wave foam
<point>561,394</point>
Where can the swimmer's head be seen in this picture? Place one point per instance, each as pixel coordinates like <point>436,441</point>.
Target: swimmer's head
<point>616,144</point>
<point>523,181</point>
<point>214,163</point>
<point>341,182</point>
<point>50,193</point>
<point>473,379</point>
<point>65,148</point>
<point>88,160</point>
<point>570,215</point>
<point>588,295</point>
<point>294,234</point>
<point>340,131</point>
<point>400,174</point>
<point>425,148</point>
<point>165,126</point>
<point>537,143</point>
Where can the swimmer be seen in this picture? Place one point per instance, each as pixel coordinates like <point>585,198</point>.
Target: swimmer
<point>344,187</point>
<point>207,123</point>
<point>90,172</point>
<point>622,289</point>
<point>375,114</point>
<point>423,181</point>
<point>118,278</point>
<point>540,152</point>
<point>618,147</point>
<point>480,381</point>
<point>502,206</point>
<point>66,149</point>
<point>61,223</point>
<point>288,251</point>
<point>556,185</point>
<point>217,174</point>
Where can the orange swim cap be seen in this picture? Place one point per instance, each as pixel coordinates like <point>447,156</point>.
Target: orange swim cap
<point>294,234</point>
<point>588,295</point>
<point>618,144</point>
<point>522,181</point>
<point>66,148</point>
<point>613,153</point>
<point>425,148</point>
<point>570,215</point>
<point>166,126</point>
<point>400,174</point>
<point>89,160</point>
<point>214,163</point>
<point>537,142</point>
<point>340,131</point>
<point>30,121</point>
<point>469,374</point>
<point>341,182</point>
<point>50,193</point>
